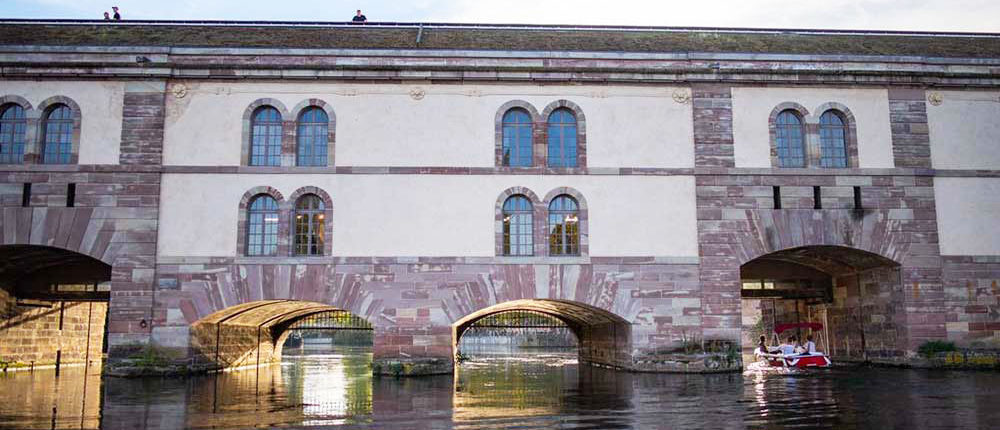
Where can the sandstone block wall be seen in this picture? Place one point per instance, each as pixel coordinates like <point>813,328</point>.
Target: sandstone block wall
<point>37,334</point>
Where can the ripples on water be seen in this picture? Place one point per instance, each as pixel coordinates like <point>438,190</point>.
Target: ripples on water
<point>546,390</point>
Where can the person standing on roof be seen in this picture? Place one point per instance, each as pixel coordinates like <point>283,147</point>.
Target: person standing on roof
<point>107,17</point>
<point>359,17</point>
<point>118,16</point>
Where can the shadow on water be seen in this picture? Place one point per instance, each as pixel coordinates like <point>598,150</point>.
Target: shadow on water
<point>546,389</point>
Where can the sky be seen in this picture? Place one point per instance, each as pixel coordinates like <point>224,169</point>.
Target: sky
<point>921,15</point>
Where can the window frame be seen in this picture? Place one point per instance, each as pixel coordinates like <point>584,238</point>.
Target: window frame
<point>514,131</point>
<point>507,214</point>
<point>827,149</point>
<point>562,132</point>
<point>322,130</point>
<point>9,131</point>
<point>251,212</point>
<point>271,125</point>
<point>801,145</point>
<point>562,243</point>
<point>315,235</point>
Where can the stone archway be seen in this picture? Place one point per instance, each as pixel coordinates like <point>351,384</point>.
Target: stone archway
<point>857,295</point>
<point>603,336</point>
<point>53,304</point>
<point>248,334</point>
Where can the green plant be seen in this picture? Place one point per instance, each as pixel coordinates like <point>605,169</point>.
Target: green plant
<point>151,356</point>
<point>932,347</point>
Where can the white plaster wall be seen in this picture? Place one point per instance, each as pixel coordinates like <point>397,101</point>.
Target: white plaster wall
<point>100,108</point>
<point>967,213</point>
<point>432,215</point>
<point>965,130</point>
<point>752,107</point>
<point>452,125</point>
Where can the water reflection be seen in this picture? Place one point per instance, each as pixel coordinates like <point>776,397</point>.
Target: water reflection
<point>543,390</point>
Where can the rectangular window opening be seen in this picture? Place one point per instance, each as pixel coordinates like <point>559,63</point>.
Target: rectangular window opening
<point>817,198</point>
<point>857,198</point>
<point>777,196</point>
<point>70,195</point>
<point>26,195</point>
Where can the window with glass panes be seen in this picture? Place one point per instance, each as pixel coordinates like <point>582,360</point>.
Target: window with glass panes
<point>562,139</point>
<point>262,226</point>
<point>790,140</point>
<point>310,221</point>
<point>517,226</point>
<point>833,139</point>
<point>57,139</point>
<point>312,137</point>
<point>13,125</point>
<point>517,137</point>
<point>265,137</point>
<point>564,226</point>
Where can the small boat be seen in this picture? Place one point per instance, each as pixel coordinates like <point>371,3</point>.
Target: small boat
<point>804,360</point>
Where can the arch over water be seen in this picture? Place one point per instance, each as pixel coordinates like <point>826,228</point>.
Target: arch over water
<point>249,334</point>
<point>857,295</point>
<point>603,336</point>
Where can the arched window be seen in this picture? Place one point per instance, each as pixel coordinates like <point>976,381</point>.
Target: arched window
<point>13,125</point>
<point>790,140</point>
<point>57,135</point>
<point>518,226</point>
<point>265,137</point>
<point>564,226</point>
<point>517,138</point>
<point>562,138</point>
<point>310,224</point>
<point>312,137</point>
<point>833,139</point>
<point>262,226</point>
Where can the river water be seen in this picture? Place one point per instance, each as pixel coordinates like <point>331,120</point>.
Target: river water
<point>543,390</point>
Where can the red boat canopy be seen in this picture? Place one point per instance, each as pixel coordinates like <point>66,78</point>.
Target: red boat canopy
<point>811,325</point>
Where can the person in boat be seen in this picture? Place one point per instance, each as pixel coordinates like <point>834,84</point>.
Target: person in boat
<point>810,346</point>
<point>761,347</point>
<point>788,348</point>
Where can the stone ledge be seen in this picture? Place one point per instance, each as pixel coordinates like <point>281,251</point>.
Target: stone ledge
<point>412,366</point>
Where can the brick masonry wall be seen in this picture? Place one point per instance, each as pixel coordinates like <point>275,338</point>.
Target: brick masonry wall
<point>412,305</point>
<point>911,143</point>
<point>114,219</point>
<point>712,106</point>
<point>866,317</point>
<point>737,222</point>
<point>972,300</point>
<point>33,334</point>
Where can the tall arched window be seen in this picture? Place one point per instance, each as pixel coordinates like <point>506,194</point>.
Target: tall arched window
<point>310,224</point>
<point>833,139</point>
<point>262,226</point>
<point>790,140</point>
<point>518,226</point>
<point>564,226</point>
<point>57,135</point>
<point>13,125</point>
<point>265,137</point>
<point>517,138</point>
<point>312,137</point>
<point>562,139</point>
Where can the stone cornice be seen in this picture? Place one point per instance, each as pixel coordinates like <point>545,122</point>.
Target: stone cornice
<point>477,66</point>
<point>500,171</point>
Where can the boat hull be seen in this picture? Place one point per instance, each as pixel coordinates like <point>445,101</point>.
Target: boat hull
<point>801,361</point>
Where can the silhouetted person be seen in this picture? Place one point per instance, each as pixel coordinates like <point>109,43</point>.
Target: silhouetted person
<point>762,347</point>
<point>359,17</point>
<point>107,17</point>
<point>118,16</point>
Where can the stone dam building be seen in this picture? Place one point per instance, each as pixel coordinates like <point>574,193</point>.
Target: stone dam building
<point>664,192</point>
